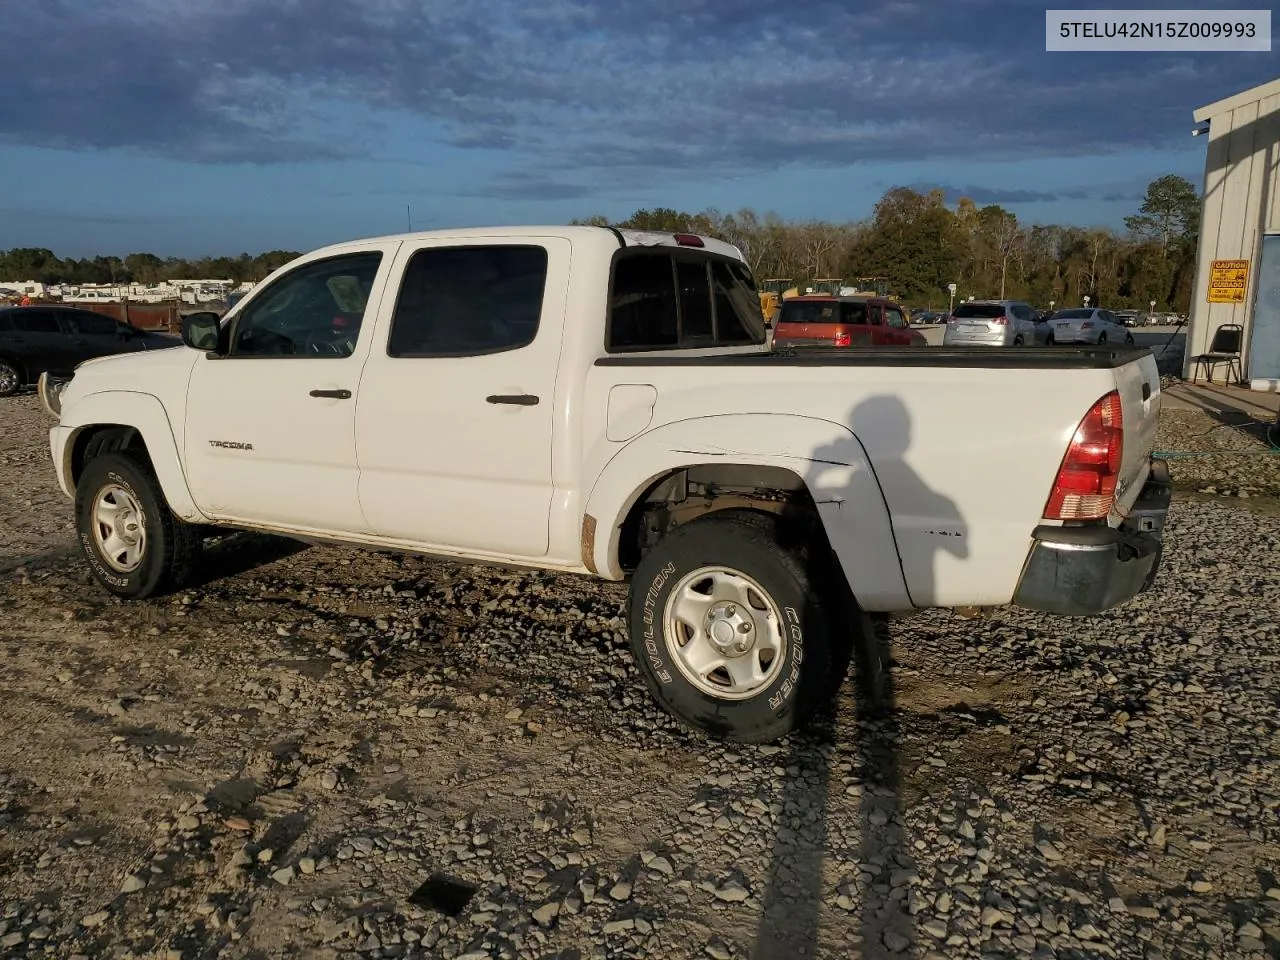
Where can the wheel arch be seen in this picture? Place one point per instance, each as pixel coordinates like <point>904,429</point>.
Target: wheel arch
<point>775,463</point>
<point>115,420</point>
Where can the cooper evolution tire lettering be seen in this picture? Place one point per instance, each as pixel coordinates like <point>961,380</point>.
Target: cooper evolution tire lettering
<point>650,641</point>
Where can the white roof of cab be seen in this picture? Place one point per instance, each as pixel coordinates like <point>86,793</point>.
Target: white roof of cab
<point>575,232</point>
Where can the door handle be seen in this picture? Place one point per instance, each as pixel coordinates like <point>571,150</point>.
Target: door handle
<point>519,399</point>
<point>332,394</point>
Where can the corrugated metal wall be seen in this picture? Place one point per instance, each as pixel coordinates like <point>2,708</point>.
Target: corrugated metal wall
<point>144,316</point>
<point>1241,203</point>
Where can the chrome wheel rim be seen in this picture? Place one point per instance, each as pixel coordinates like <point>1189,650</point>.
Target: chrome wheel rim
<point>8,378</point>
<point>724,633</point>
<point>119,528</point>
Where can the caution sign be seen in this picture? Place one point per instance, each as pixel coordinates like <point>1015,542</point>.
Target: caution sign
<point>1228,280</point>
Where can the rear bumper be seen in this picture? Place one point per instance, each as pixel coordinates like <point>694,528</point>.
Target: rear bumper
<point>985,340</point>
<point>1080,571</point>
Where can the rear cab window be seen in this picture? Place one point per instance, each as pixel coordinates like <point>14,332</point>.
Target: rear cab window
<point>665,299</point>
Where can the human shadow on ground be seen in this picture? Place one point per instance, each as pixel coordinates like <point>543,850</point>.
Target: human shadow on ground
<point>871,880</point>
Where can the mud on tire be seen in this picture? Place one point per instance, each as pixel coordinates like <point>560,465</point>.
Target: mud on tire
<point>135,546</point>
<point>683,621</point>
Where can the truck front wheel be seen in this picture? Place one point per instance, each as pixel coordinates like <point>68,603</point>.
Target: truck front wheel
<point>135,546</point>
<point>732,632</point>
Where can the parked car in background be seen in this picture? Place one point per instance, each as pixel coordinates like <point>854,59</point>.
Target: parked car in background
<point>1127,318</point>
<point>54,340</point>
<point>848,321</point>
<point>923,317</point>
<point>1089,325</point>
<point>991,323</point>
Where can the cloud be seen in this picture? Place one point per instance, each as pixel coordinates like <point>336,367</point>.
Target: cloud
<point>586,95</point>
<point>987,195</point>
<point>532,186</point>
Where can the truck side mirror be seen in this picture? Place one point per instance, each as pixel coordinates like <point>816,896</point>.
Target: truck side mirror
<point>202,331</point>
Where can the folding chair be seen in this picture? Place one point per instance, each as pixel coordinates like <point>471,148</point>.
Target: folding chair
<point>1225,348</point>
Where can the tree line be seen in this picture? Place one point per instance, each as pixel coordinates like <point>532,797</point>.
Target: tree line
<point>919,244</point>
<point>914,240</point>
<point>44,266</point>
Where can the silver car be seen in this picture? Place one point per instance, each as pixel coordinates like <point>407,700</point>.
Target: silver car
<point>991,323</point>
<point>1089,325</point>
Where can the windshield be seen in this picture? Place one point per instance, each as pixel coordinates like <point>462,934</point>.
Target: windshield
<point>1073,315</point>
<point>982,311</point>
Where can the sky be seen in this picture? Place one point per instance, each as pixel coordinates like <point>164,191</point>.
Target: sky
<point>208,127</point>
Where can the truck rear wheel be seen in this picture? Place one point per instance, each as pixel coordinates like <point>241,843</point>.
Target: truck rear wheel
<point>731,631</point>
<point>135,546</point>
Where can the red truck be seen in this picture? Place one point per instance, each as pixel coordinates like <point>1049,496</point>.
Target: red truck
<point>843,321</point>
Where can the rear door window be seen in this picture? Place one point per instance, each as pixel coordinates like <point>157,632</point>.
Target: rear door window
<point>91,324</point>
<point>35,321</point>
<point>469,301</point>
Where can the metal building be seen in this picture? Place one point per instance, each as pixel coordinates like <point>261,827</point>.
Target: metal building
<point>1238,266</point>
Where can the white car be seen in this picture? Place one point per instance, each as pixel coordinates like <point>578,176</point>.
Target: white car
<point>991,323</point>
<point>604,402</point>
<point>1089,325</point>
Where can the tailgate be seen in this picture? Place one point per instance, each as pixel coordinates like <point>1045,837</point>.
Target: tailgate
<point>1139,384</point>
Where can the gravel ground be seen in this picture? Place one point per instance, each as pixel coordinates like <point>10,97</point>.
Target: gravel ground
<point>280,762</point>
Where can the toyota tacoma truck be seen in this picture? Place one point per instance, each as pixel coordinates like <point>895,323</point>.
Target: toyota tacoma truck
<point>606,402</point>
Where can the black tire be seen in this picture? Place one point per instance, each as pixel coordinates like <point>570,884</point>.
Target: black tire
<point>1102,339</point>
<point>1017,341</point>
<point>11,378</point>
<point>169,546</point>
<point>1049,341</point>
<point>1128,339</point>
<point>810,603</point>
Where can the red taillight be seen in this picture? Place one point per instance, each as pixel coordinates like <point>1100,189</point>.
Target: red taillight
<point>1087,325</point>
<point>1002,320</point>
<point>843,340</point>
<point>1085,488</point>
<point>688,240</point>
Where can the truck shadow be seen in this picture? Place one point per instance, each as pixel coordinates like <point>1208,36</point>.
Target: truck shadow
<point>862,881</point>
<point>232,553</point>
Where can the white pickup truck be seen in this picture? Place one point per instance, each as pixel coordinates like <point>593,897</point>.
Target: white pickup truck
<point>606,402</point>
